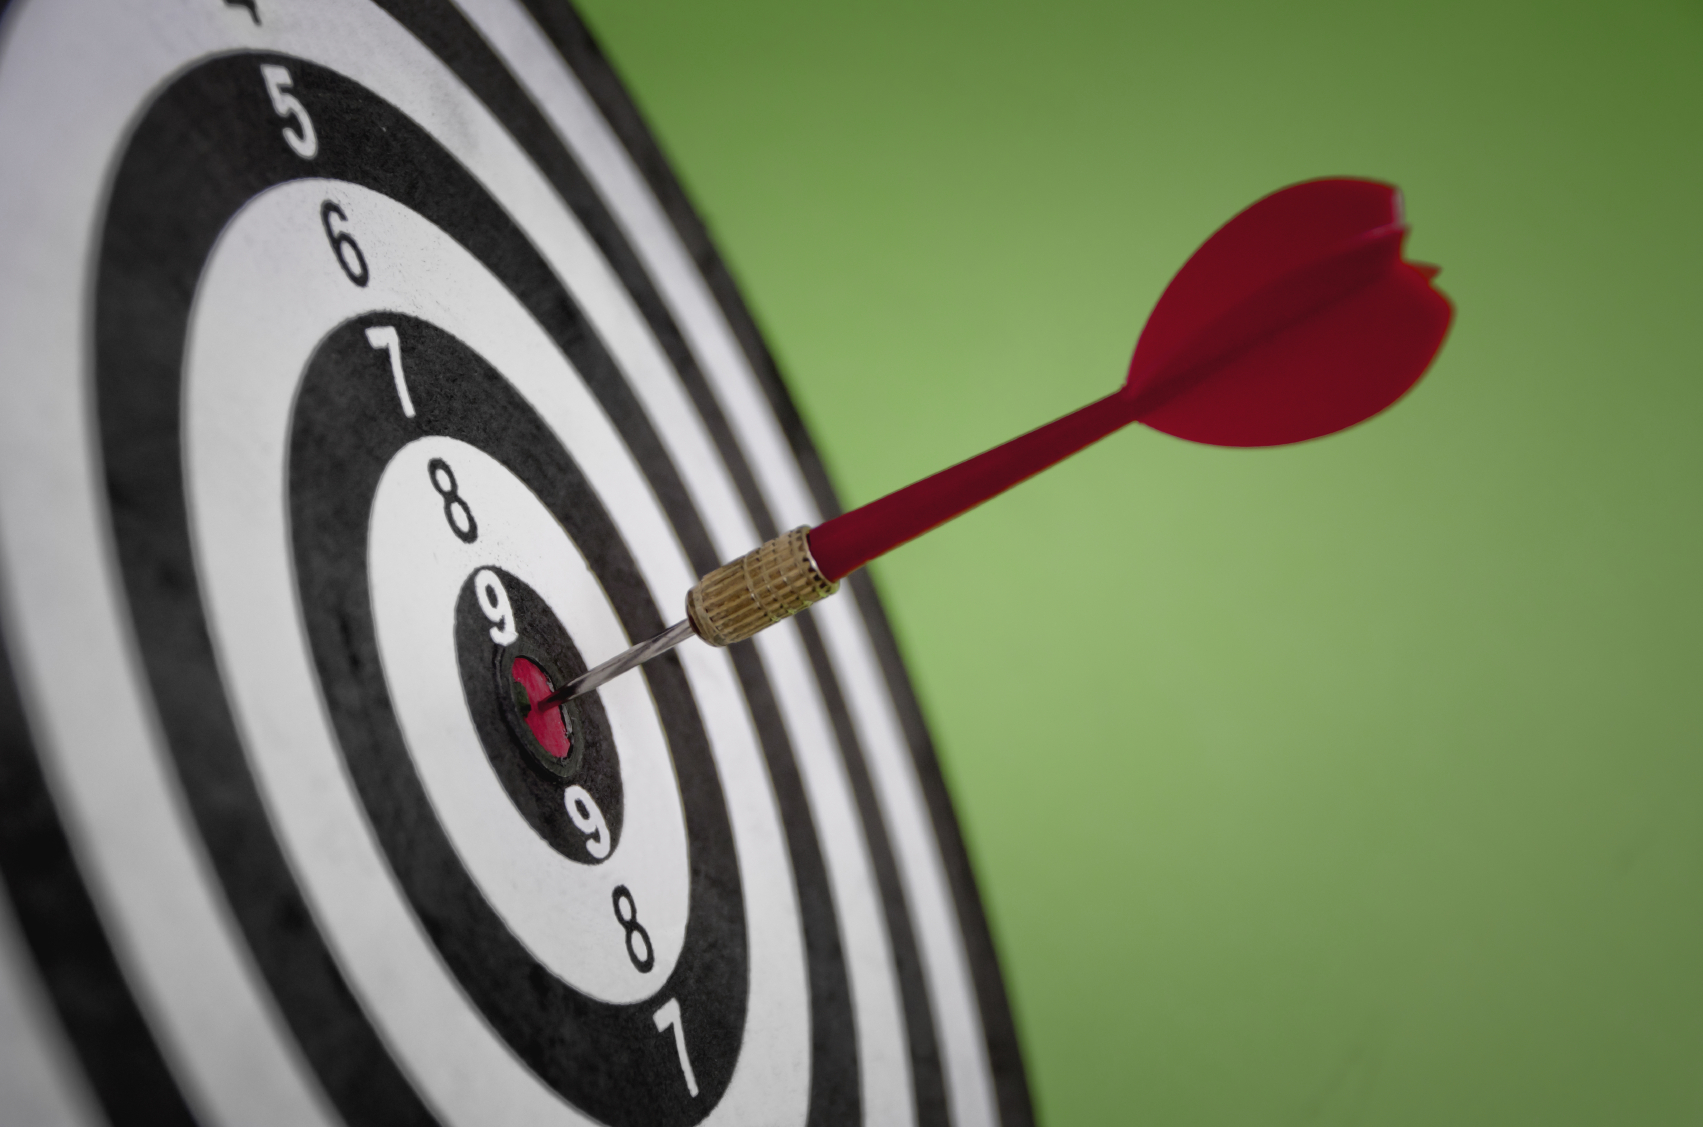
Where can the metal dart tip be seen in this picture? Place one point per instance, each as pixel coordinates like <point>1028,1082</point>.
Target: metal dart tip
<point>602,674</point>
<point>767,585</point>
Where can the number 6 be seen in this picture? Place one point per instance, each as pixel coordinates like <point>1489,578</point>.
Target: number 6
<point>285,104</point>
<point>343,245</point>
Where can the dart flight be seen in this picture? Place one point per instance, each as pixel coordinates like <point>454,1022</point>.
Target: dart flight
<point>1298,318</point>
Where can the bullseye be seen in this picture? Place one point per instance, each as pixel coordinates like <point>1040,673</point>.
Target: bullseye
<point>547,725</point>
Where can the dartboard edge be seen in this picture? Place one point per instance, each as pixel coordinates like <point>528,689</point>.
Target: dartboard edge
<point>365,375</point>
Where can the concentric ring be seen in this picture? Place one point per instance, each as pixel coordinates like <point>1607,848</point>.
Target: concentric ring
<point>877,878</point>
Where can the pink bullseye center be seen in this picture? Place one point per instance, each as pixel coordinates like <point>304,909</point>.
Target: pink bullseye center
<point>547,724</point>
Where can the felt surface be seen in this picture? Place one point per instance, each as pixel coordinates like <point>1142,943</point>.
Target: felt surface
<point>1353,782</point>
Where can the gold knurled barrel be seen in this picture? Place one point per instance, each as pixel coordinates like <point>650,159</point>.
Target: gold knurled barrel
<point>758,589</point>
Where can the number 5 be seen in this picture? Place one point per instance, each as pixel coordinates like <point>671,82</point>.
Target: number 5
<point>285,104</point>
<point>669,1015</point>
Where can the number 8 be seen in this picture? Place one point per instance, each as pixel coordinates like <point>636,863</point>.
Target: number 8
<point>466,528</point>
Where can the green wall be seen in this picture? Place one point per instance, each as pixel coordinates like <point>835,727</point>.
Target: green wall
<point>1352,783</point>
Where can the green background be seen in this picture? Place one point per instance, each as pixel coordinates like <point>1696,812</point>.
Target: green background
<point>1353,782</point>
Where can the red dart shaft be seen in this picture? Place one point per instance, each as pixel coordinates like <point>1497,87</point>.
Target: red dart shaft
<point>1296,319</point>
<point>847,542</point>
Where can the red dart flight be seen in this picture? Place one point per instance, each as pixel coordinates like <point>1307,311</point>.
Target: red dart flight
<point>1298,318</point>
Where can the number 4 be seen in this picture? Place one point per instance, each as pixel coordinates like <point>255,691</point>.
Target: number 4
<point>669,1015</point>
<point>384,336</point>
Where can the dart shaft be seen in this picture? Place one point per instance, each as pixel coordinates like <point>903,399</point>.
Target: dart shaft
<point>630,659</point>
<point>1298,318</point>
<point>847,542</point>
<point>804,566</point>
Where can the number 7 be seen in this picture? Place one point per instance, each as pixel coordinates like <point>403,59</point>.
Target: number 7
<point>669,1015</point>
<point>384,336</point>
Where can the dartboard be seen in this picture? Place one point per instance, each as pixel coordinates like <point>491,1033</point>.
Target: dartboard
<point>366,376</point>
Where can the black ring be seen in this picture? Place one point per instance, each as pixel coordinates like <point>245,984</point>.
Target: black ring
<point>604,1058</point>
<point>166,208</point>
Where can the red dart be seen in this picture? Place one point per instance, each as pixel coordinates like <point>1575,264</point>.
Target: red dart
<point>1298,318</point>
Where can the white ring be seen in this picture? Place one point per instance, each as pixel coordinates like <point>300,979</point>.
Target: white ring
<point>269,292</point>
<point>72,76</point>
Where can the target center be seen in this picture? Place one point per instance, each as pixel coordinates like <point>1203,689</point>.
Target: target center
<point>470,572</point>
<point>558,763</point>
<point>547,725</point>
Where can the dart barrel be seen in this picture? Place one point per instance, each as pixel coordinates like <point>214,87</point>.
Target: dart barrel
<point>759,589</point>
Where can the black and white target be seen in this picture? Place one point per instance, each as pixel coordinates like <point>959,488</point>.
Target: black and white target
<point>365,375</point>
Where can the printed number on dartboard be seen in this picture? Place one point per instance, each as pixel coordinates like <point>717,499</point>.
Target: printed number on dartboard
<point>638,939</point>
<point>455,508</point>
<point>303,140</point>
<point>299,135</point>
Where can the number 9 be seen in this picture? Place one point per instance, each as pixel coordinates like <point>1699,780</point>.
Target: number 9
<point>582,808</point>
<point>494,601</point>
